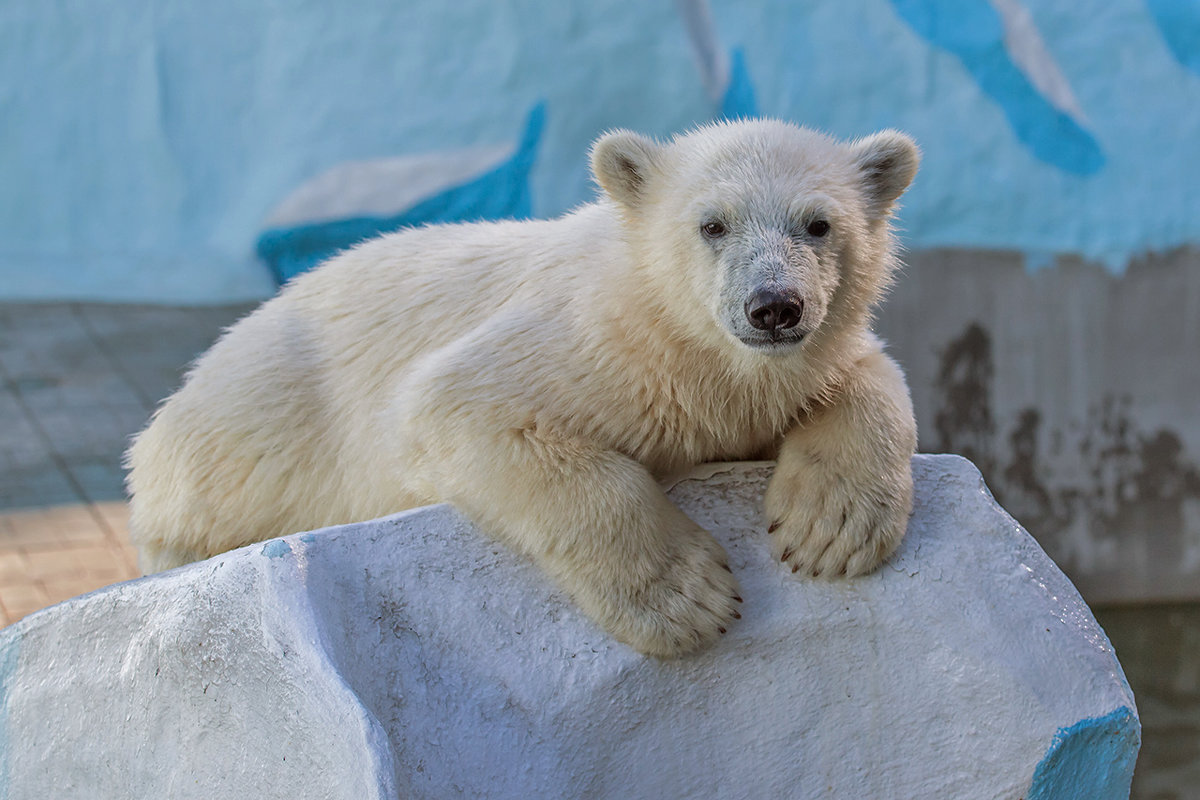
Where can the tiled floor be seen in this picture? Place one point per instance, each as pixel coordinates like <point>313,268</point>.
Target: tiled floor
<point>50,554</point>
<point>76,381</point>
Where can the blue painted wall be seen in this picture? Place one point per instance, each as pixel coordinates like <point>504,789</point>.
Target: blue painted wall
<point>145,142</point>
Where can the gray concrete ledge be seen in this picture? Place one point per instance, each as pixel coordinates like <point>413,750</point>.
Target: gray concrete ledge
<point>412,657</point>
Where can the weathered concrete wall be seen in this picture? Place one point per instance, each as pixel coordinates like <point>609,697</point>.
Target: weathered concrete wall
<point>1075,392</point>
<point>412,657</point>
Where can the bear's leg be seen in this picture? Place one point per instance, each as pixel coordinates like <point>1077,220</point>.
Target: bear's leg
<point>597,522</point>
<point>158,556</point>
<point>839,501</point>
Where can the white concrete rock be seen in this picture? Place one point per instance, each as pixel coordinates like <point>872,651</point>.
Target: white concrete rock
<point>412,657</point>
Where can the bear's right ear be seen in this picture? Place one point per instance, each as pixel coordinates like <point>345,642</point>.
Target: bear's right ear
<point>623,163</point>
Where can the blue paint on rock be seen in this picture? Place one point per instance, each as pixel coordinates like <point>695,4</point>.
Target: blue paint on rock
<point>10,650</point>
<point>739,101</point>
<point>500,193</point>
<point>1093,758</point>
<point>276,548</point>
<point>973,31</point>
<point>1179,22</point>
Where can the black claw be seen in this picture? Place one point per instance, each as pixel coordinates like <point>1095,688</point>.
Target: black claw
<point>722,630</point>
<point>774,526</point>
<point>786,554</point>
<point>736,615</point>
<point>727,569</point>
<point>735,597</point>
<point>795,568</point>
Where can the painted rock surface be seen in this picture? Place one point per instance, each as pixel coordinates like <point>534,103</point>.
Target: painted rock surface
<point>412,657</point>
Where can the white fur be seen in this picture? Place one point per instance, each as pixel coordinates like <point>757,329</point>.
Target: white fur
<point>540,375</point>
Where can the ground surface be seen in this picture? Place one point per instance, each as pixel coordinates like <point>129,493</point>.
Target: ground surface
<point>76,381</point>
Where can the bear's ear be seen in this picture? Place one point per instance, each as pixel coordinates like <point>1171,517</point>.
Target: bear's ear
<point>623,163</point>
<point>888,162</point>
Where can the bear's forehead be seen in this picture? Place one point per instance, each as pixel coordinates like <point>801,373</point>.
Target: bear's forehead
<point>760,140</point>
<point>762,156</point>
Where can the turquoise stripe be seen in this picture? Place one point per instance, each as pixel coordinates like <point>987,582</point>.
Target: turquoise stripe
<point>973,31</point>
<point>1179,22</point>
<point>739,101</point>
<point>499,193</point>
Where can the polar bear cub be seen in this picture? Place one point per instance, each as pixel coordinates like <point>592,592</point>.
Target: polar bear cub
<point>713,304</point>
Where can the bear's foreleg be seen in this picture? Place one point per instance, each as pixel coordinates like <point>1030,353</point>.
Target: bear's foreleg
<point>840,498</point>
<point>599,525</point>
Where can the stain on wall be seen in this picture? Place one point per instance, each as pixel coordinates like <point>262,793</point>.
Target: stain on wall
<point>1130,481</point>
<point>1076,409</point>
<point>964,418</point>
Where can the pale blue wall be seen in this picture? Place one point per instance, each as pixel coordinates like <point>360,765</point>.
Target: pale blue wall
<point>144,142</point>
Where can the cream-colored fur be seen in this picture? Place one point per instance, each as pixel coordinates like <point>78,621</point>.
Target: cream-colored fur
<point>540,376</point>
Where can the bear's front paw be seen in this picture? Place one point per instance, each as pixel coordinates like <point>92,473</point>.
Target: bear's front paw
<point>675,596</point>
<point>830,522</point>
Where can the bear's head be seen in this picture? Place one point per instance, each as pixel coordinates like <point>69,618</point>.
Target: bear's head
<point>778,234</point>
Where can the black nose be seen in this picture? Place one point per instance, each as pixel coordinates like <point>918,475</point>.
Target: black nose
<point>769,311</point>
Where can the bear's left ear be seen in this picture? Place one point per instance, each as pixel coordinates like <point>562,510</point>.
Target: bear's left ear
<point>623,163</point>
<point>888,162</point>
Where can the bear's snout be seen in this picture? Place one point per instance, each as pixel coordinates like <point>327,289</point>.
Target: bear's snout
<point>769,310</point>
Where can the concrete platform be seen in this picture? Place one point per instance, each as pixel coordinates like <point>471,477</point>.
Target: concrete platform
<point>413,657</point>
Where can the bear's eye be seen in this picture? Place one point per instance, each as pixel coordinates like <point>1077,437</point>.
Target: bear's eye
<point>818,228</point>
<point>713,229</point>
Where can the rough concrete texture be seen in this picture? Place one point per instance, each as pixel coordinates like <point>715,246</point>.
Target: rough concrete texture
<point>412,657</point>
<point>1073,390</point>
